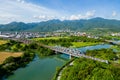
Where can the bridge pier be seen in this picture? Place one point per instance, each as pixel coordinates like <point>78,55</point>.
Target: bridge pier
<point>56,52</point>
<point>70,56</point>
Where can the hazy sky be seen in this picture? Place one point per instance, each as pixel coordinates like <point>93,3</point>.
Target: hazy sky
<point>42,10</point>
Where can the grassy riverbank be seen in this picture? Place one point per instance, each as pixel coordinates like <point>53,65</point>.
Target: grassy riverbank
<point>116,47</point>
<point>106,54</point>
<point>83,44</point>
<point>12,58</point>
<point>12,63</point>
<point>87,69</point>
<point>58,70</point>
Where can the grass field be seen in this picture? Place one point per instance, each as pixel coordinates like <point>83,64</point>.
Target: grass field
<point>3,42</point>
<point>48,38</point>
<point>4,55</point>
<point>115,47</point>
<point>113,37</point>
<point>82,44</point>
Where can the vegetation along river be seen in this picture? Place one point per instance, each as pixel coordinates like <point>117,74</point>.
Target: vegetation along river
<point>45,68</point>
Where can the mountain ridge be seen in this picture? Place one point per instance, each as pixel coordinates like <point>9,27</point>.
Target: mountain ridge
<point>56,24</point>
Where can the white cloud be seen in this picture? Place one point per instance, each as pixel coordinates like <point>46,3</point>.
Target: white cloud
<point>43,17</point>
<point>114,13</point>
<point>87,15</point>
<point>90,14</point>
<point>20,10</point>
<point>74,17</point>
<point>21,1</point>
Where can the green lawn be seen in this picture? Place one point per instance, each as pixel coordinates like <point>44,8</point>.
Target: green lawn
<point>115,47</point>
<point>55,38</point>
<point>82,44</point>
<point>112,37</point>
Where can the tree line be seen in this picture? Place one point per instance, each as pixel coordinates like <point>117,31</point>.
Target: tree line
<point>87,69</point>
<point>67,42</point>
<point>107,54</point>
<point>13,63</point>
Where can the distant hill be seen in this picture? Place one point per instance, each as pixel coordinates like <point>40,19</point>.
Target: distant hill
<point>93,24</point>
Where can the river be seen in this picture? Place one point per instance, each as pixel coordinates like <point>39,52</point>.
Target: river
<point>40,68</point>
<point>100,46</point>
<point>45,68</point>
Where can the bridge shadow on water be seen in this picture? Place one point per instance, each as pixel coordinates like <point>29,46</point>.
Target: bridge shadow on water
<point>62,57</point>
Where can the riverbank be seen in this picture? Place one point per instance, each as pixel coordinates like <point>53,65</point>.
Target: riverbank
<point>59,70</point>
<point>60,73</point>
<point>84,69</point>
<point>13,63</point>
<point>43,52</point>
<point>84,44</point>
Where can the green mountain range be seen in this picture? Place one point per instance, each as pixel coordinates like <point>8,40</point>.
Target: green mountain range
<point>93,24</point>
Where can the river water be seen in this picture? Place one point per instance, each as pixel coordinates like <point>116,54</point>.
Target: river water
<point>39,68</point>
<point>45,68</point>
<point>100,46</point>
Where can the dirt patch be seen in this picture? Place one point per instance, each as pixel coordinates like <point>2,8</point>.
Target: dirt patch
<point>4,55</point>
<point>3,42</point>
